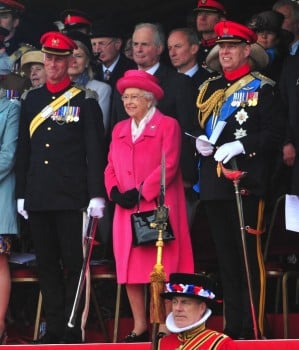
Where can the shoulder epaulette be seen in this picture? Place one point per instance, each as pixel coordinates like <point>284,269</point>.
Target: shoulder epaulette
<point>213,78</point>
<point>91,94</point>
<point>264,80</point>
<point>25,93</point>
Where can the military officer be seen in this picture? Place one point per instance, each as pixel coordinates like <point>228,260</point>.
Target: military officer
<point>13,84</point>
<point>59,169</point>
<point>10,16</point>
<point>208,13</point>
<point>243,109</point>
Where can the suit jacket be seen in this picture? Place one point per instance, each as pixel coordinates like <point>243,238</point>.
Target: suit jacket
<point>121,67</point>
<point>289,89</point>
<point>179,103</point>
<point>62,165</point>
<point>259,128</point>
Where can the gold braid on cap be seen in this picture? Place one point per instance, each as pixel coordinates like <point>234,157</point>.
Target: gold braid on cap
<point>212,104</point>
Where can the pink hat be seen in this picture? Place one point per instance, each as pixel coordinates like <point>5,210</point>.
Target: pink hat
<point>141,80</point>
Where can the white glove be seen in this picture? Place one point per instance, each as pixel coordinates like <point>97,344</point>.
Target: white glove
<point>203,146</point>
<point>228,150</point>
<point>96,207</point>
<point>20,208</point>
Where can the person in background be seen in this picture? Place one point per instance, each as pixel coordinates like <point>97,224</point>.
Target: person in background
<point>32,65</point>
<point>14,84</point>
<point>11,12</point>
<point>129,172</point>
<point>179,93</point>
<point>106,40</point>
<point>191,296</point>
<point>73,19</point>
<point>251,109</point>
<point>183,49</point>
<point>273,39</point>
<point>59,171</point>
<point>9,125</point>
<point>208,13</point>
<point>290,10</point>
<point>82,73</point>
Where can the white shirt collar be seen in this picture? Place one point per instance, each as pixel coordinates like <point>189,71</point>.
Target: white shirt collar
<point>294,48</point>
<point>174,329</point>
<point>191,71</point>
<point>153,69</point>
<point>112,66</point>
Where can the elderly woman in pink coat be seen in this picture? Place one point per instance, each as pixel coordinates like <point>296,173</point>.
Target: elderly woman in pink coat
<point>134,159</point>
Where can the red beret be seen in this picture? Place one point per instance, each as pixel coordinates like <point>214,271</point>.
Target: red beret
<point>140,79</point>
<point>8,6</point>
<point>57,43</point>
<point>211,6</point>
<point>228,31</point>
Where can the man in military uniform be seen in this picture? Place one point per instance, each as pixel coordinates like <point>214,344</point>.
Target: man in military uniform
<point>248,107</point>
<point>59,170</point>
<point>10,15</point>
<point>190,296</point>
<point>208,13</point>
<point>73,19</point>
<point>13,84</point>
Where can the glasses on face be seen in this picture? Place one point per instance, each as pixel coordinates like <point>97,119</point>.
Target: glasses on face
<point>133,98</point>
<point>104,44</point>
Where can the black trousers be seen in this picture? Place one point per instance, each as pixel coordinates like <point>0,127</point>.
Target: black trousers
<point>225,226</point>
<point>57,239</point>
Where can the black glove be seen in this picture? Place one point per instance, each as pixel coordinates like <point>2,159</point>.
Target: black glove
<point>132,196</point>
<point>126,200</point>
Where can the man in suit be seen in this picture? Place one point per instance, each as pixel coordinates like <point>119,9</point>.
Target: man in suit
<point>183,48</point>
<point>106,40</point>
<point>59,171</point>
<point>179,94</point>
<point>248,103</point>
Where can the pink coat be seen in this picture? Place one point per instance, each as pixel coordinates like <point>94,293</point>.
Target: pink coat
<point>129,165</point>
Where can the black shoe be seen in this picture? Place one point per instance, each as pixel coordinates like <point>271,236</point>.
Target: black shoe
<point>72,336</point>
<point>134,338</point>
<point>3,338</point>
<point>48,338</point>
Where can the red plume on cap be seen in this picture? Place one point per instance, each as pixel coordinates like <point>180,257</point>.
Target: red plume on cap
<point>57,44</point>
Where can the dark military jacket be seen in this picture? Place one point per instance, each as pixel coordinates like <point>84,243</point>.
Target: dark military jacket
<point>259,128</point>
<point>61,166</point>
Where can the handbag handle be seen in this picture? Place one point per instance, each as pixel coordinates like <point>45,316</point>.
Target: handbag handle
<point>139,198</point>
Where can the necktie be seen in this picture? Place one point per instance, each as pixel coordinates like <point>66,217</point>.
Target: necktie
<point>107,74</point>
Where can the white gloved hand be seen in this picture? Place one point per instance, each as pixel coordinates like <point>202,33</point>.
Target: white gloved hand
<point>20,208</point>
<point>96,207</point>
<point>203,146</point>
<point>228,150</point>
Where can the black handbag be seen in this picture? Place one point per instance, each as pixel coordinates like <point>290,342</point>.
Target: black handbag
<point>142,232</point>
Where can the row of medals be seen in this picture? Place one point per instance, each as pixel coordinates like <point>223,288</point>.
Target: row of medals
<point>244,99</point>
<point>66,114</point>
